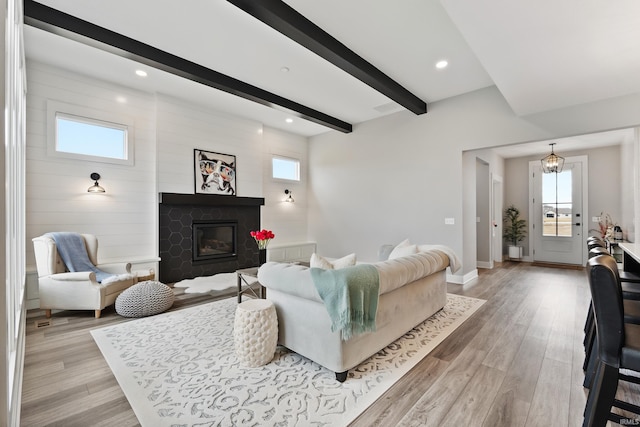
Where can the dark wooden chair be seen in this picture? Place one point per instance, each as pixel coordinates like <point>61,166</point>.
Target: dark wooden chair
<point>617,344</point>
<point>631,309</point>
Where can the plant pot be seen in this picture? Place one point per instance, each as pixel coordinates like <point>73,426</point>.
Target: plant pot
<point>515,252</point>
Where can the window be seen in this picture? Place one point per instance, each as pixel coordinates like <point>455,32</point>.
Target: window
<point>285,168</point>
<point>86,134</point>
<point>557,218</point>
<point>80,135</point>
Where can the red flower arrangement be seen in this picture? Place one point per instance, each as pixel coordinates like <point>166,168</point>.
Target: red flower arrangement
<point>262,237</point>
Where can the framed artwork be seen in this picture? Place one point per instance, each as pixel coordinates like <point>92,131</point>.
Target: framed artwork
<point>215,173</point>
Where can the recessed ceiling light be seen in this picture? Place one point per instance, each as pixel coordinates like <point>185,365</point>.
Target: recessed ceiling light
<point>289,120</point>
<point>141,73</point>
<point>442,64</point>
<point>284,69</point>
<point>121,99</point>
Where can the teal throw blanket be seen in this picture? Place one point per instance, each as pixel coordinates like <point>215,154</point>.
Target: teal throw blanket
<point>350,296</point>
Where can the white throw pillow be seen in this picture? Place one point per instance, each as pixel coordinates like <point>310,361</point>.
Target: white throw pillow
<point>318,261</point>
<point>403,248</point>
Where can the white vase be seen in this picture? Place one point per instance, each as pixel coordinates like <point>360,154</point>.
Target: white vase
<point>515,252</point>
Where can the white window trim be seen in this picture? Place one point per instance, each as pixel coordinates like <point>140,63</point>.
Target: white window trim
<point>278,156</point>
<point>88,115</point>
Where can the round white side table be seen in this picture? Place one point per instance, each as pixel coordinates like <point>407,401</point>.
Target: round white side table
<point>255,332</point>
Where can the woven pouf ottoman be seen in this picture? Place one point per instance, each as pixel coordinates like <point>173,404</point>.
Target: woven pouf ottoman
<point>144,299</point>
<point>255,332</point>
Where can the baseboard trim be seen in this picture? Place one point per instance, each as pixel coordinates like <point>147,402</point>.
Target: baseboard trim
<point>464,279</point>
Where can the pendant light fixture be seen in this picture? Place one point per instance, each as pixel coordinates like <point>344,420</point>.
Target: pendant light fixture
<point>552,163</point>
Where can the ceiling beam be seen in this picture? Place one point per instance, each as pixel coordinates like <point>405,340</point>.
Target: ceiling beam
<point>283,18</point>
<point>63,24</point>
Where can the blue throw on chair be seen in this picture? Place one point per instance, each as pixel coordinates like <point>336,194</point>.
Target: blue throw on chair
<point>73,252</point>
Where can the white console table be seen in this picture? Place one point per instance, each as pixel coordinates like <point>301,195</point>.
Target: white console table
<point>291,252</point>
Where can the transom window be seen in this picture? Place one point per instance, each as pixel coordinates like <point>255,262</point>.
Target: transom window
<point>81,135</point>
<point>285,168</point>
<point>86,134</point>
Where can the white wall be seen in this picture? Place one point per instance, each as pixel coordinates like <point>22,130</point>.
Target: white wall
<point>496,172</point>
<point>470,200</point>
<point>57,199</point>
<point>628,185</point>
<point>183,127</point>
<point>12,216</point>
<point>167,130</point>
<point>288,221</point>
<point>401,175</point>
<point>483,214</point>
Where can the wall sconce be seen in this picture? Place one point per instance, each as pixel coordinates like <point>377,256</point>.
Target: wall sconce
<point>288,199</point>
<point>95,188</point>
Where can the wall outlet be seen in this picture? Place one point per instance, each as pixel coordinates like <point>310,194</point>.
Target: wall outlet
<point>595,219</point>
<point>449,221</point>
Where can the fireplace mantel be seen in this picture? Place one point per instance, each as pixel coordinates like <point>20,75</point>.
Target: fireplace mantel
<point>208,200</point>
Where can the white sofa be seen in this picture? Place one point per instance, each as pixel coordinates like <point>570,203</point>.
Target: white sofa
<point>412,288</point>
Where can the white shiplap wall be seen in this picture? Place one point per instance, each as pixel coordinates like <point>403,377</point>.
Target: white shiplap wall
<point>167,130</point>
<point>287,220</point>
<point>57,199</point>
<point>124,218</point>
<point>183,127</point>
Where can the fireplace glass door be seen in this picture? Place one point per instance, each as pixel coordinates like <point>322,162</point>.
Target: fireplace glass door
<point>214,240</point>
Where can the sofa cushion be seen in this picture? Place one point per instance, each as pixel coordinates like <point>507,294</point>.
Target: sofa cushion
<point>403,249</point>
<point>318,261</point>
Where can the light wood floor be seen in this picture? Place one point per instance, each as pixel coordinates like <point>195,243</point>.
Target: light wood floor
<point>517,362</point>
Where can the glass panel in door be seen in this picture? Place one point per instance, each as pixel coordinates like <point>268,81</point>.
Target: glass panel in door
<point>557,212</point>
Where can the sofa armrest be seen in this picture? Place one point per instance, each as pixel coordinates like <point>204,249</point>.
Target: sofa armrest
<point>293,279</point>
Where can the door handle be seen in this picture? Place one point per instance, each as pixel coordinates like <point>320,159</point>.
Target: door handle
<point>577,223</point>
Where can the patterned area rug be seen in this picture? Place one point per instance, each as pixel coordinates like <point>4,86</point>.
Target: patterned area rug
<point>180,369</point>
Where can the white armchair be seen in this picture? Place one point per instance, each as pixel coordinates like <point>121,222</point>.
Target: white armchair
<point>61,289</point>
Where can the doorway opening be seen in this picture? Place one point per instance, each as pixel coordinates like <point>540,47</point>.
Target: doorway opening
<point>558,210</point>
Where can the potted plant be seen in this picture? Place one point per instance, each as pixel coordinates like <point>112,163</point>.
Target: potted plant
<point>515,231</point>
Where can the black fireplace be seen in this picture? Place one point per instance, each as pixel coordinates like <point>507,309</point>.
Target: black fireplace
<point>213,240</point>
<point>206,234</point>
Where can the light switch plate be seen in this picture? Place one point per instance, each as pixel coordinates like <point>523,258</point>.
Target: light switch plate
<point>449,221</point>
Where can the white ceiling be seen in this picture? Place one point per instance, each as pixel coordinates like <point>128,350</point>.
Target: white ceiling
<point>541,55</point>
<point>565,145</point>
